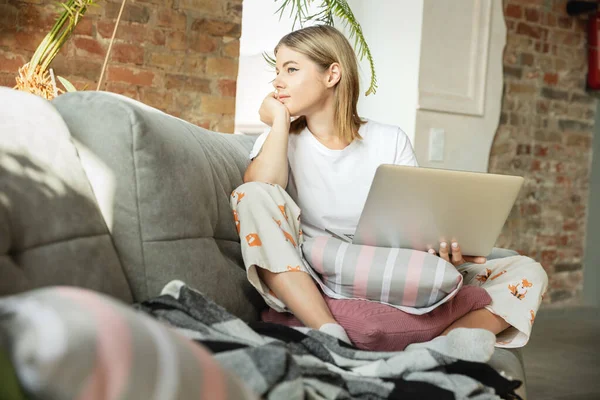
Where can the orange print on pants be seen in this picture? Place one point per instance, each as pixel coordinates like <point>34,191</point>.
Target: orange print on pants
<point>483,277</point>
<point>253,240</point>
<point>294,269</point>
<point>239,195</point>
<point>237,221</point>
<point>498,275</point>
<point>520,289</point>
<point>288,237</point>
<point>282,209</point>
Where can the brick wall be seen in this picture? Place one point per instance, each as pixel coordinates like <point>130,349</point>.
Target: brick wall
<point>180,56</point>
<point>545,135</point>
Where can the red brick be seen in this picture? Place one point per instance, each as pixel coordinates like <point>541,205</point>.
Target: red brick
<point>542,47</point>
<point>7,79</point>
<point>130,75</point>
<point>222,67</point>
<point>532,15</point>
<point>124,89</point>
<point>8,17</point>
<point>194,64</point>
<point>529,209</point>
<point>551,79</point>
<point>548,258</point>
<point>85,46</point>
<point>550,19</point>
<point>158,37</point>
<point>187,83</point>
<point>167,60</point>
<point>217,28</point>
<point>35,16</point>
<point>132,12</point>
<point>127,53</point>
<point>571,226</point>
<point>161,99</point>
<point>532,31</point>
<point>176,41</point>
<point>564,180</point>
<point>227,87</point>
<point>172,19</point>
<point>28,40</point>
<point>217,105</point>
<point>514,11</point>
<point>565,22</point>
<point>208,7</point>
<point>546,240</point>
<point>515,87</point>
<point>540,150</point>
<point>527,59</point>
<point>126,32</point>
<point>231,48</point>
<point>85,27</point>
<point>203,43</point>
<point>11,62</point>
<point>580,140</point>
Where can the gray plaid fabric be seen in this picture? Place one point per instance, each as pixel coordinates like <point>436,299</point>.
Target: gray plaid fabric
<point>279,362</point>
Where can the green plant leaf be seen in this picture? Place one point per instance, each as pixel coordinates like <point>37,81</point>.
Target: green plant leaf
<point>68,85</point>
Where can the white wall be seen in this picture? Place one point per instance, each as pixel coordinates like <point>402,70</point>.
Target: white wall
<point>392,29</point>
<point>451,43</point>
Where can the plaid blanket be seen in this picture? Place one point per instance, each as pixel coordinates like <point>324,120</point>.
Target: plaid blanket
<point>279,362</point>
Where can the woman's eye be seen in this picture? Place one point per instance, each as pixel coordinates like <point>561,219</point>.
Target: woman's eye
<point>290,70</point>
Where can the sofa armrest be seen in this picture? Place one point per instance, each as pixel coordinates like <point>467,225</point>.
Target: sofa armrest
<point>51,230</point>
<point>167,205</point>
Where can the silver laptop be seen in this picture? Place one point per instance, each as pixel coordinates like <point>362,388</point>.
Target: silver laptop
<point>418,208</point>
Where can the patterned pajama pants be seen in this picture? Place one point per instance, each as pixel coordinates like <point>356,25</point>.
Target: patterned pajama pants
<point>268,222</point>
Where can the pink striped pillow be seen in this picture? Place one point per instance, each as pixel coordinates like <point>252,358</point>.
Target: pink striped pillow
<point>71,343</point>
<point>413,281</point>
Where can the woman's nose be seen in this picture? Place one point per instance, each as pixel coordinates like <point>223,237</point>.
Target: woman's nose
<point>277,83</point>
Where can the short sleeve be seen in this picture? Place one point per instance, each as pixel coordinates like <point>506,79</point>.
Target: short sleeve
<point>405,154</point>
<point>258,144</point>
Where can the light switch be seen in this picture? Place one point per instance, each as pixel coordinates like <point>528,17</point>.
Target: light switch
<point>436,144</point>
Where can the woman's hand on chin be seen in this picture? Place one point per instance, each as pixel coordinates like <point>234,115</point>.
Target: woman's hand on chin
<point>272,109</point>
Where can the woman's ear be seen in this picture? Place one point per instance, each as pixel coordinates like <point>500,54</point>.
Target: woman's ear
<point>334,74</point>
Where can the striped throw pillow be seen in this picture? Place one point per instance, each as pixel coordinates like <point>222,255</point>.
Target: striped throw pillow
<point>71,343</point>
<point>413,281</point>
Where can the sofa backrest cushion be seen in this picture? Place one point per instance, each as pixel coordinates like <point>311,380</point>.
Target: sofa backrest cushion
<point>51,229</point>
<point>163,186</point>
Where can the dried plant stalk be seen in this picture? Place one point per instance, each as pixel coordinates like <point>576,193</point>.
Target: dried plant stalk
<point>39,82</point>
<point>34,76</point>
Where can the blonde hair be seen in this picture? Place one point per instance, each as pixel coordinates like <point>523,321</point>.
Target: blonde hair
<point>325,45</point>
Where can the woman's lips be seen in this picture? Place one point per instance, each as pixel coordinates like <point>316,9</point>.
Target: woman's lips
<point>283,96</point>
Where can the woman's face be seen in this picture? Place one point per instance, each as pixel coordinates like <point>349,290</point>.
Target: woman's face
<point>300,85</point>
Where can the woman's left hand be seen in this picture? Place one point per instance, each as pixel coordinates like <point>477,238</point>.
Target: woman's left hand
<point>453,255</point>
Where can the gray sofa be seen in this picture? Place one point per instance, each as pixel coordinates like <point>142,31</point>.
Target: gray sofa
<point>103,192</point>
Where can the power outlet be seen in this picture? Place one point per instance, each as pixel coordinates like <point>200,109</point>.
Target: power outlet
<point>437,137</point>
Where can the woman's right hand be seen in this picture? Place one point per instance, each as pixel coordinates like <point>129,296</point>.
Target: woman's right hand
<point>272,109</point>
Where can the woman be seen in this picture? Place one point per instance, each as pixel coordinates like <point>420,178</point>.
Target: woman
<point>326,158</point>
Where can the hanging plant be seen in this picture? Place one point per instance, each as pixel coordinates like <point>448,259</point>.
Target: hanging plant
<point>36,76</point>
<point>326,11</point>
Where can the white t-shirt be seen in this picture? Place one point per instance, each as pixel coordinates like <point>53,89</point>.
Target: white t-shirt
<point>331,186</point>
